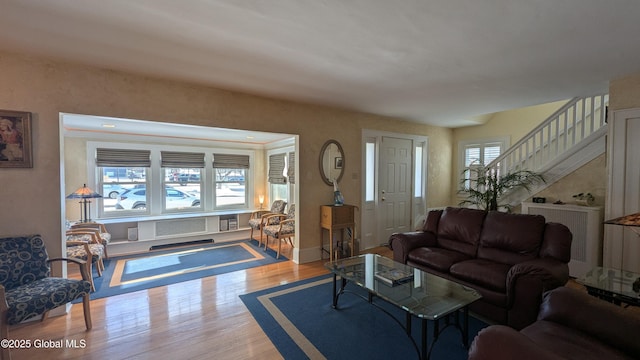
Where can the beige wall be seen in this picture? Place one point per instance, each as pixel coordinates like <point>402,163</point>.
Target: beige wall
<point>514,124</point>
<point>624,93</point>
<point>33,199</point>
<point>590,178</point>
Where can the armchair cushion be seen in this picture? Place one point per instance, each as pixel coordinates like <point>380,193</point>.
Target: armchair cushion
<point>257,218</point>
<point>37,297</point>
<point>22,262</point>
<point>277,231</point>
<point>284,227</point>
<point>26,284</point>
<point>79,252</point>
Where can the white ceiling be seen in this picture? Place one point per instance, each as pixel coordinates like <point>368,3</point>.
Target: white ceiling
<point>441,62</point>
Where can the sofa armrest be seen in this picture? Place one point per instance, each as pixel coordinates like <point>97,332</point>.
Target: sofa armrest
<point>499,342</point>
<point>551,272</point>
<point>526,282</point>
<point>403,243</point>
<point>609,323</point>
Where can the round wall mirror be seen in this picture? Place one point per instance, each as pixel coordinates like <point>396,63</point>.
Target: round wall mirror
<point>331,162</point>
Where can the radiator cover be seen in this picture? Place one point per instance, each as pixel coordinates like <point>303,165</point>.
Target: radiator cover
<point>585,223</point>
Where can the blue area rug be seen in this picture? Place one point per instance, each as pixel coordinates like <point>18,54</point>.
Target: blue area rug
<point>126,274</point>
<point>299,320</point>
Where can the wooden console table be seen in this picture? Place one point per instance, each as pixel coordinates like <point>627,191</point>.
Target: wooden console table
<point>334,218</point>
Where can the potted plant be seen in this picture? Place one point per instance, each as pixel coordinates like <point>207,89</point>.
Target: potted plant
<point>485,187</point>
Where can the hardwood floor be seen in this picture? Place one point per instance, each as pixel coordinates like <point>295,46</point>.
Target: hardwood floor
<point>199,319</point>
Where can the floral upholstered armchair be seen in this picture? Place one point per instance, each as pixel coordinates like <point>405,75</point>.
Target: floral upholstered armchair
<point>86,246</point>
<point>258,218</point>
<point>26,287</point>
<point>98,228</point>
<point>285,228</point>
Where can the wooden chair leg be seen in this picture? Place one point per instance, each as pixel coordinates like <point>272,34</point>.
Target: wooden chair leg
<point>87,311</point>
<point>90,273</point>
<point>279,246</point>
<point>106,255</point>
<point>99,266</point>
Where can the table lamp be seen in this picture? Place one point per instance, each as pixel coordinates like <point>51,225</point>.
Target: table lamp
<point>633,221</point>
<point>85,194</point>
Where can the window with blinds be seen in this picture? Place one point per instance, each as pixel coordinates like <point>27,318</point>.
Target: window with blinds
<point>230,179</point>
<point>277,174</point>
<point>479,154</point>
<point>122,170</point>
<point>168,179</point>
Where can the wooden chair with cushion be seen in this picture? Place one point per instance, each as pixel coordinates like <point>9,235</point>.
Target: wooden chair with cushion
<point>99,228</point>
<point>27,289</point>
<point>284,230</point>
<point>81,243</point>
<point>257,220</point>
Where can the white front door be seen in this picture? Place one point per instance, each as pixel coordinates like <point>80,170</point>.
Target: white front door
<point>395,186</point>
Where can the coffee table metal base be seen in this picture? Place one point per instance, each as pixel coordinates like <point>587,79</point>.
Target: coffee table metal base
<point>424,352</point>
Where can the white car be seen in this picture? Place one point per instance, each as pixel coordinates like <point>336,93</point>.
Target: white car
<point>112,190</point>
<point>175,199</point>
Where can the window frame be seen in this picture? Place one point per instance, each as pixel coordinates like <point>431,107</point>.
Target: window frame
<point>503,141</point>
<point>156,181</point>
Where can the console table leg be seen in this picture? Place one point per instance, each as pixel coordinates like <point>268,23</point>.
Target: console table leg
<point>425,352</point>
<point>465,331</point>
<point>335,295</point>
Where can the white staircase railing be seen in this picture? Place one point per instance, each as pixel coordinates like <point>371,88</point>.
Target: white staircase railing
<point>574,122</point>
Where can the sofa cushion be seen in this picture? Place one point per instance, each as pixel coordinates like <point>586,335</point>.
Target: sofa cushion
<point>459,229</point>
<point>511,238</point>
<point>489,274</point>
<point>570,343</point>
<point>436,258</point>
<point>432,220</point>
<point>557,242</point>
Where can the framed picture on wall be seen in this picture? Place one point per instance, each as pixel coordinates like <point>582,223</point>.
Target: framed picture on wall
<point>15,139</point>
<point>338,164</point>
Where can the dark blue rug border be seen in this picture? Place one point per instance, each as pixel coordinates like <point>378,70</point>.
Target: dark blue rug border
<point>444,349</point>
<point>102,283</point>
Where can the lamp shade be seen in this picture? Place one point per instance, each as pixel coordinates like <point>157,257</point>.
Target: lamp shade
<point>627,220</point>
<point>84,193</point>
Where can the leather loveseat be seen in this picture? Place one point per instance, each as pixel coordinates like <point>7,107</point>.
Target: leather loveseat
<point>510,259</point>
<point>570,325</point>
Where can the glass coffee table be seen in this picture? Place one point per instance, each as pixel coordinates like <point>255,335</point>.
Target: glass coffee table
<point>423,295</point>
<point>613,285</point>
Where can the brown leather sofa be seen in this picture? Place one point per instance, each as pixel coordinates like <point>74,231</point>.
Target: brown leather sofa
<point>510,259</point>
<point>570,325</point>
